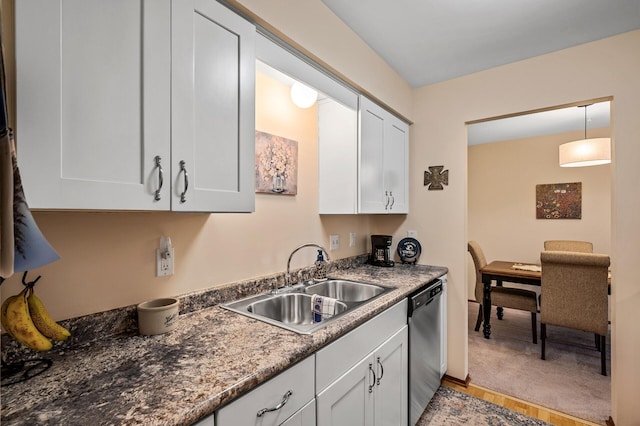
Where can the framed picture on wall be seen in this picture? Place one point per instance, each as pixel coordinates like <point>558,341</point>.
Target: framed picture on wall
<point>559,201</point>
<point>276,164</point>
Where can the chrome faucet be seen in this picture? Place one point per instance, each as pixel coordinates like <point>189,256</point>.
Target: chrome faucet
<point>286,277</point>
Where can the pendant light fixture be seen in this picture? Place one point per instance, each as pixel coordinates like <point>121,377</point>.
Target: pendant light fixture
<point>585,152</point>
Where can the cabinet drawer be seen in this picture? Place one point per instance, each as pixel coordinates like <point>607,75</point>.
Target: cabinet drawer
<point>335,359</point>
<point>244,411</point>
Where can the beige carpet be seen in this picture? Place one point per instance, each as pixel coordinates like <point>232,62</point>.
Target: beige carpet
<point>568,381</point>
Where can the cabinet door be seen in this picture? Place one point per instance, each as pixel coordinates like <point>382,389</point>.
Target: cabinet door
<point>93,103</point>
<point>213,100</point>
<point>306,416</point>
<point>396,164</point>
<point>384,161</point>
<point>391,361</point>
<point>443,328</point>
<point>349,400</point>
<point>371,197</point>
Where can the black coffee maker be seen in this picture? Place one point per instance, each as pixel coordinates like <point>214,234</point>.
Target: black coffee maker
<point>380,251</point>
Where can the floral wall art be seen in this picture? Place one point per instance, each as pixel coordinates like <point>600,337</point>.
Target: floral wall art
<point>276,164</point>
<point>559,201</point>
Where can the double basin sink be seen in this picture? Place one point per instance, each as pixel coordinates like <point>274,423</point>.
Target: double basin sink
<point>291,308</point>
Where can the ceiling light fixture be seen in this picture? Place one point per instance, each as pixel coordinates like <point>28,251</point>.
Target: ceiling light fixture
<point>303,96</point>
<point>585,152</point>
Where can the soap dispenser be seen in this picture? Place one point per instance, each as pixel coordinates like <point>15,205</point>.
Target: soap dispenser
<point>321,267</point>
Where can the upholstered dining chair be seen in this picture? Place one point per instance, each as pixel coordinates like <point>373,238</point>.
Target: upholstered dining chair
<point>569,245</point>
<point>574,295</point>
<point>506,297</point>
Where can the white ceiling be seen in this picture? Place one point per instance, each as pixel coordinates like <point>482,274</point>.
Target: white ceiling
<point>427,41</point>
<point>540,124</point>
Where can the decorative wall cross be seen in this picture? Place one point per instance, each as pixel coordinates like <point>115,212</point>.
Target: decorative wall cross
<point>435,178</point>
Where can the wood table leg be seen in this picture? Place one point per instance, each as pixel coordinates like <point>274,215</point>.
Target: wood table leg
<point>500,311</point>
<point>486,305</point>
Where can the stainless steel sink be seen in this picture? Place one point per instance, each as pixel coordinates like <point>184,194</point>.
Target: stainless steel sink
<point>291,308</point>
<point>346,291</point>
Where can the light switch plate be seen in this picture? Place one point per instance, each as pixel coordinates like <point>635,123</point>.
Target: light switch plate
<point>352,239</point>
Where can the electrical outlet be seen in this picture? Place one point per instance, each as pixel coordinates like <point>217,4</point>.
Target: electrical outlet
<point>334,242</point>
<point>412,234</point>
<point>352,239</point>
<point>164,258</point>
<point>164,262</point>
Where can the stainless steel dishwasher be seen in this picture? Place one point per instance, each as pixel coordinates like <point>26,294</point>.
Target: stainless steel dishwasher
<point>427,335</point>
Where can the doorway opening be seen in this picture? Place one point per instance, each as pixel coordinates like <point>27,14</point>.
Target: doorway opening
<point>507,157</point>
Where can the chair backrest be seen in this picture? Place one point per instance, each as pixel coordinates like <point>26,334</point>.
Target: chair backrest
<point>568,245</point>
<point>479,261</point>
<point>574,290</point>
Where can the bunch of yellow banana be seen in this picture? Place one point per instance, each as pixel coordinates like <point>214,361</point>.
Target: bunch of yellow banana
<point>26,319</point>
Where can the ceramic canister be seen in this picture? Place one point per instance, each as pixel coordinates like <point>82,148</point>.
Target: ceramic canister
<point>158,316</point>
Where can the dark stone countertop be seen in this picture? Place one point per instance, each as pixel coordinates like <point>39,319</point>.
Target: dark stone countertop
<point>177,378</point>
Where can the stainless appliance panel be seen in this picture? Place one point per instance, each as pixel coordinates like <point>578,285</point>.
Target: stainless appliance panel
<point>425,337</point>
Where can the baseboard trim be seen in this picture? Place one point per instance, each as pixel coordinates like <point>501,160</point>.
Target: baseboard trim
<point>457,381</point>
<point>610,422</point>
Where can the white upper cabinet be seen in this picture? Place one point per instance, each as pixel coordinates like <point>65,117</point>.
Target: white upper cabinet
<point>363,160</point>
<point>337,158</point>
<point>93,103</point>
<point>213,108</point>
<point>103,120</point>
<point>384,161</point>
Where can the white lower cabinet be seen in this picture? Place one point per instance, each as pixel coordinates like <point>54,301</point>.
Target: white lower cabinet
<point>373,392</point>
<point>306,416</point>
<point>207,421</point>
<point>359,379</point>
<point>391,391</point>
<point>275,401</point>
<point>443,325</point>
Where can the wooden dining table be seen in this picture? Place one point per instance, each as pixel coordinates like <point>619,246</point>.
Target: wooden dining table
<point>504,271</point>
<point>499,271</point>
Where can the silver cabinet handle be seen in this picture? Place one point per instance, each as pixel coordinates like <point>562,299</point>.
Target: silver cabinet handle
<point>285,398</point>
<point>374,378</point>
<point>381,372</point>
<point>183,194</point>
<point>392,200</point>
<point>386,196</point>
<point>156,194</point>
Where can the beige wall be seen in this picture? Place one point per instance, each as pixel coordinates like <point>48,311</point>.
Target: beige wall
<point>604,68</point>
<point>502,179</point>
<point>314,26</point>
